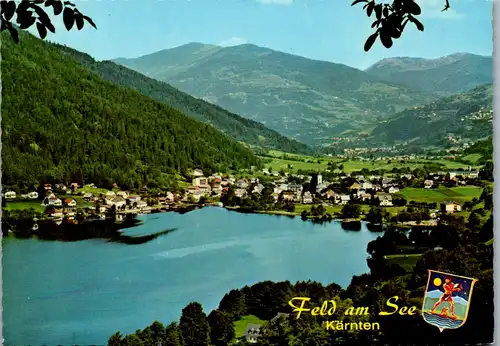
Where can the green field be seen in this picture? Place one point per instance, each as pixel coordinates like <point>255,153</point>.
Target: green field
<point>277,163</point>
<point>406,261</point>
<point>25,204</point>
<point>96,191</point>
<point>458,194</point>
<point>241,325</point>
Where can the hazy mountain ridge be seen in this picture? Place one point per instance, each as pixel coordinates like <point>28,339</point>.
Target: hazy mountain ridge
<point>302,98</point>
<point>447,75</point>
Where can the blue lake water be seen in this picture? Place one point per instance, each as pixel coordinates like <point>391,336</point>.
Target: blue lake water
<point>83,292</point>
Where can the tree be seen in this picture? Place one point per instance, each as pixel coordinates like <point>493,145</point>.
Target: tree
<point>173,336</point>
<point>29,13</point>
<point>194,325</point>
<point>221,328</point>
<point>351,211</point>
<point>474,222</point>
<point>391,19</point>
<point>115,339</point>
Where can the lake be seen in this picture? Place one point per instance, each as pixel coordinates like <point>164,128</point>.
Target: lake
<point>84,291</point>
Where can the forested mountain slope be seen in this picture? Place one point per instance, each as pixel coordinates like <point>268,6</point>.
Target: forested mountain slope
<point>464,116</point>
<point>61,122</point>
<point>240,128</point>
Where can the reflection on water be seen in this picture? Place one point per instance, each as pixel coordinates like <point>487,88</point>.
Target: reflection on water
<point>70,231</point>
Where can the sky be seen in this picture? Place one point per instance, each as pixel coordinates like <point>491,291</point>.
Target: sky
<point>328,30</point>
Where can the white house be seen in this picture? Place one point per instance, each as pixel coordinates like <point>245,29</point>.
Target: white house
<point>240,192</point>
<point>10,195</point>
<point>366,185</point>
<point>198,181</point>
<point>122,194</point>
<point>134,199</point>
<point>141,204</point>
<point>307,198</point>
<point>70,202</point>
<point>450,206</point>
<point>393,189</point>
<point>344,199</point>
<point>56,202</point>
<point>428,184</point>
<point>385,200</point>
<point>198,173</point>
<point>110,195</point>
<point>117,201</point>
<point>33,195</point>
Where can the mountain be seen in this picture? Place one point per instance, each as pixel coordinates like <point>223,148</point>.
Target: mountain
<point>447,75</point>
<point>241,129</point>
<point>309,100</point>
<point>61,122</point>
<point>449,121</point>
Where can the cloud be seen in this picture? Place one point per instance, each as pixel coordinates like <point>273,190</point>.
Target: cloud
<point>233,41</point>
<point>433,9</point>
<point>276,2</point>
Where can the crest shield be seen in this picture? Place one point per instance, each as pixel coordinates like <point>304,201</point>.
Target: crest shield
<point>447,300</point>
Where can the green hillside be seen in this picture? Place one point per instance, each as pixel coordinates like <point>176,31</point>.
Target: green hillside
<point>452,120</point>
<point>309,100</point>
<point>446,75</point>
<point>241,129</point>
<point>61,122</point>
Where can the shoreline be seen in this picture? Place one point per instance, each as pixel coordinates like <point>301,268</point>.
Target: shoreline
<point>186,208</point>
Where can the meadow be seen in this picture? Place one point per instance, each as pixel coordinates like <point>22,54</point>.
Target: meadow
<point>458,194</point>
<point>301,162</point>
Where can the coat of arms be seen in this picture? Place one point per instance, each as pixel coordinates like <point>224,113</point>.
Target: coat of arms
<point>447,300</point>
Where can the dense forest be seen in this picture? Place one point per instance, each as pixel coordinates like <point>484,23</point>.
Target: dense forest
<point>454,246</point>
<point>61,122</point>
<point>241,129</point>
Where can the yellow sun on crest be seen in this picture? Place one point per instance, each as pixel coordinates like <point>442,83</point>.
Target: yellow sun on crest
<point>437,282</point>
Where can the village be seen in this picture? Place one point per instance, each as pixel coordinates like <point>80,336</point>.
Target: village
<point>299,190</point>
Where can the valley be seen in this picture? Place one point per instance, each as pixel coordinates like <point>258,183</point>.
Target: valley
<point>316,102</point>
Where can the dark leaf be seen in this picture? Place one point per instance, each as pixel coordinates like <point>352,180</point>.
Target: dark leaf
<point>385,12</point>
<point>358,1</point>
<point>68,18</point>
<point>369,9</point>
<point>8,9</point>
<point>39,2</point>
<point>42,31</point>
<point>79,22</point>
<point>13,33</point>
<point>26,21</point>
<point>22,8</point>
<point>58,7</point>
<point>385,38</point>
<point>50,27</point>
<point>375,23</point>
<point>413,8</point>
<point>370,41</point>
<point>366,5</point>
<point>378,11</point>
<point>417,23</point>
<point>395,32</point>
<point>67,3</point>
<point>42,15</point>
<point>90,21</point>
